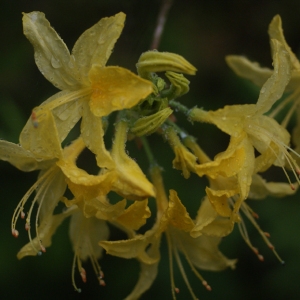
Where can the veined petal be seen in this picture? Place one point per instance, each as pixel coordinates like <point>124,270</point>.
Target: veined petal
<point>115,88</point>
<point>51,54</point>
<point>95,45</point>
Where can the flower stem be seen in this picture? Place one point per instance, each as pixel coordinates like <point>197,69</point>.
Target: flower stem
<point>180,107</point>
<point>148,151</point>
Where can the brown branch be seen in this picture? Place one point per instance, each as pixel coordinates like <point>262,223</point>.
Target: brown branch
<point>161,20</point>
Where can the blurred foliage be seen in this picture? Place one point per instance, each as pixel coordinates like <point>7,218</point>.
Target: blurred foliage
<point>203,32</point>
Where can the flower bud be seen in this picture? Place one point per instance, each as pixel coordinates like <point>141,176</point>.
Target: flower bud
<point>149,124</point>
<point>154,61</point>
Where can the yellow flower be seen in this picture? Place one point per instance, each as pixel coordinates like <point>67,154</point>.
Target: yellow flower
<point>175,222</point>
<point>122,174</point>
<point>250,129</point>
<point>252,71</point>
<point>82,77</point>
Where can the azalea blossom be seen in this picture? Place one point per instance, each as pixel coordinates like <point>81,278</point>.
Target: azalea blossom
<point>82,77</point>
<point>250,129</point>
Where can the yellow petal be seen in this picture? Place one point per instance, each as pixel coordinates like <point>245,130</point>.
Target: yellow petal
<point>131,182</point>
<point>227,163</point>
<point>203,252</point>
<point>42,141</point>
<point>276,32</point>
<point>135,215</point>
<point>85,234</point>
<point>260,188</point>
<point>51,54</point>
<point>95,45</point>
<point>249,70</point>
<point>176,214</point>
<point>115,88</point>
<point>21,158</point>
<point>219,200</point>
<point>274,87</point>
<point>92,134</point>
<point>130,248</point>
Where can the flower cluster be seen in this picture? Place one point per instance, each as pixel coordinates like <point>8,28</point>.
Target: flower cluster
<point>137,105</point>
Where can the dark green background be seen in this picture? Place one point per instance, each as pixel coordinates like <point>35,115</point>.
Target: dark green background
<point>203,32</point>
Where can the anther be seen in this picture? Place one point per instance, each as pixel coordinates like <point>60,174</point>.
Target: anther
<point>176,290</point>
<point>260,257</point>
<point>207,286</point>
<point>15,233</point>
<point>292,187</point>
<point>22,215</point>
<point>267,234</point>
<point>102,282</point>
<point>43,249</point>
<point>27,226</point>
<point>83,274</point>
<point>34,120</point>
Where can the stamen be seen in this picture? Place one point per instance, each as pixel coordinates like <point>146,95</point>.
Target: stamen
<point>173,288</point>
<point>73,274</point>
<point>264,235</point>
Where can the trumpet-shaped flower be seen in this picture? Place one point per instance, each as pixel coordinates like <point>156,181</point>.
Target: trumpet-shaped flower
<point>82,76</point>
<point>175,222</point>
<point>250,129</point>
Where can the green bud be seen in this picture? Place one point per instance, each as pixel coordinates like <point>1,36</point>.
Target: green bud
<point>179,86</point>
<point>154,61</point>
<point>149,124</point>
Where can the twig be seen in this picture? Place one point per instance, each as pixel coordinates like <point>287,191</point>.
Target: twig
<point>161,20</point>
